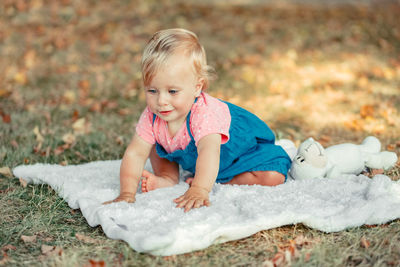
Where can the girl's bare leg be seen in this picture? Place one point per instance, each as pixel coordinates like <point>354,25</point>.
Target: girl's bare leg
<point>269,178</point>
<point>166,173</point>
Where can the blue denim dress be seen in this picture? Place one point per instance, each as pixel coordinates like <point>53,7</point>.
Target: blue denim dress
<point>251,147</point>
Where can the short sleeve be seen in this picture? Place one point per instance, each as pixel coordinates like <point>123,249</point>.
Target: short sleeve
<point>211,116</point>
<point>144,127</point>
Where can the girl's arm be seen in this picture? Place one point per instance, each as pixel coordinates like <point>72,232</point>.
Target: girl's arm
<point>207,167</point>
<point>135,157</point>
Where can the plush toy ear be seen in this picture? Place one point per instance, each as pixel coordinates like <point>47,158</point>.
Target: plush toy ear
<point>301,170</point>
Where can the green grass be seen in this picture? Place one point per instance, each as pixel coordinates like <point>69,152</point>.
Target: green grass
<point>305,70</point>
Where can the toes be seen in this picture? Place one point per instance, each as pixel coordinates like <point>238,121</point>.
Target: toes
<point>145,176</point>
<point>189,180</point>
<point>144,185</point>
<point>146,173</point>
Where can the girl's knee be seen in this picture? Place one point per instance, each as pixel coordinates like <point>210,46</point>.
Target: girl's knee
<point>270,178</point>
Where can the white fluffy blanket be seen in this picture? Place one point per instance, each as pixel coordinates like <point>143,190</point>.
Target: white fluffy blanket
<point>152,224</point>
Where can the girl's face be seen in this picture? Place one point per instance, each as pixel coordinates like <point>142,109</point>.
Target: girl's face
<point>173,89</point>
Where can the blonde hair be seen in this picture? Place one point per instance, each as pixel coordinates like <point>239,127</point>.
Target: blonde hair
<point>164,43</point>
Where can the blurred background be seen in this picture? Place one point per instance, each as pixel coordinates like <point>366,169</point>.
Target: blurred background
<point>71,89</point>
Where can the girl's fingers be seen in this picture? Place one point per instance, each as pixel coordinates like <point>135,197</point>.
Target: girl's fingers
<point>179,199</point>
<point>198,204</point>
<point>189,205</point>
<point>190,202</point>
<point>182,203</point>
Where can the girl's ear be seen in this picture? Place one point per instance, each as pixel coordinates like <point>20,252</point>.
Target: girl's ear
<point>199,86</point>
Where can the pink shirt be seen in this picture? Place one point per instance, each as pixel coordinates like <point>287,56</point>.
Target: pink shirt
<point>208,116</point>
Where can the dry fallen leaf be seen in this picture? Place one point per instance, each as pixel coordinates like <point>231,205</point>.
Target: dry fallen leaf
<point>6,171</point>
<point>367,111</point>
<point>376,225</point>
<point>75,115</point>
<point>5,93</point>
<point>39,137</point>
<point>69,138</point>
<point>81,126</point>
<point>84,85</point>
<point>301,240</point>
<point>363,81</point>
<point>324,140</point>
<point>30,58</point>
<point>51,250</point>
<point>86,239</point>
<point>46,249</point>
<point>69,97</point>
<point>28,239</point>
<point>389,114</point>
<point>377,171</point>
<point>119,140</point>
<point>6,118</point>
<point>278,259</point>
<point>14,143</point>
<point>391,147</point>
<point>70,220</point>
<point>355,125</point>
<point>4,260</point>
<point>46,152</point>
<point>84,89</point>
<point>93,263</point>
<point>60,149</point>
<point>109,104</point>
<point>96,107</point>
<point>8,247</point>
<point>170,258</point>
<point>80,155</point>
<point>20,78</point>
<point>307,257</point>
<point>364,242</point>
<point>5,191</point>
<point>124,111</point>
<point>23,182</point>
<point>47,115</point>
<point>292,249</point>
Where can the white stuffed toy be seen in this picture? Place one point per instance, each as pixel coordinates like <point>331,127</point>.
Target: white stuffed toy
<point>313,161</point>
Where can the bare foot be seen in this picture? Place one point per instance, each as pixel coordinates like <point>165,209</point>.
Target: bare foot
<point>151,182</point>
<point>189,180</point>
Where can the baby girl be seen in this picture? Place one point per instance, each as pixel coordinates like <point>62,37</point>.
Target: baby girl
<point>183,125</point>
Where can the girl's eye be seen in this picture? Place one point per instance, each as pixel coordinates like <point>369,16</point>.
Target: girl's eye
<point>151,91</point>
<point>173,91</point>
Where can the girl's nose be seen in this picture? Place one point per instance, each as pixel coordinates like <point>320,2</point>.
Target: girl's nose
<point>162,99</point>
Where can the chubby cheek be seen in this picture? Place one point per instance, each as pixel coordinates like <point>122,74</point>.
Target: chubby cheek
<point>184,104</point>
<point>151,103</point>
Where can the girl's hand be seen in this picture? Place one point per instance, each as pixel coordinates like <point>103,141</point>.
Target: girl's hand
<point>195,197</point>
<point>128,197</point>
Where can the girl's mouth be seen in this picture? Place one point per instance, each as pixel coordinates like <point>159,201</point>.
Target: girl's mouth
<point>165,113</point>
